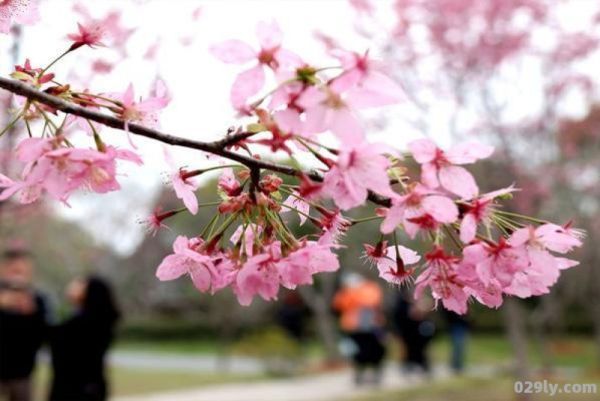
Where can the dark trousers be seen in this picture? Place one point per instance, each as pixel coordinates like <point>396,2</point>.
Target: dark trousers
<point>458,338</point>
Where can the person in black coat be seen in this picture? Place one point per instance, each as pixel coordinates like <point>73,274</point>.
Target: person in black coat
<point>413,323</point>
<point>23,324</point>
<point>79,345</point>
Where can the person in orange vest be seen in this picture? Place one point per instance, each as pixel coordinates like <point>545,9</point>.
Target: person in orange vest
<point>359,303</point>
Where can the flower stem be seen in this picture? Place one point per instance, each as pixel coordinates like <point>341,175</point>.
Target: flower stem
<point>520,216</point>
<point>55,61</point>
<point>297,211</point>
<point>11,124</point>
<point>364,219</point>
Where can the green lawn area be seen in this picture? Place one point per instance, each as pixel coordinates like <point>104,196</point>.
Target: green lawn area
<point>470,389</point>
<point>128,381</point>
<point>482,349</point>
<point>572,351</point>
<point>201,346</point>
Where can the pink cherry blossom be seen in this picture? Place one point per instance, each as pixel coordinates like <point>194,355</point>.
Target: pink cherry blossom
<point>440,275</point>
<point>496,264</point>
<point>186,260</point>
<point>334,226</point>
<point>363,6</point>
<point>329,110</point>
<point>441,167</point>
<point>60,170</point>
<point>359,168</point>
<point>249,233</point>
<point>26,73</point>
<point>28,192</point>
<point>88,35</point>
<point>19,12</point>
<point>365,82</point>
<point>259,276</point>
<point>144,112</point>
<point>185,188</point>
<point>490,293</point>
<point>115,34</point>
<point>548,236</point>
<point>183,183</point>
<point>295,202</point>
<point>416,206</point>
<point>392,264</point>
<point>300,265</point>
<point>98,170</point>
<point>478,211</point>
<point>228,183</point>
<point>544,268</point>
<point>155,221</point>
<point>271,55</point>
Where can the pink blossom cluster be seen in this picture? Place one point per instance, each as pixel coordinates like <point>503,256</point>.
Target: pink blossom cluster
<point>52,167</point>
<point>248,270</point>
<point>524,265</point>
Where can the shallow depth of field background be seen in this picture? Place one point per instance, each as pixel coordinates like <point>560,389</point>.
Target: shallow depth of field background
<point>175,339</point>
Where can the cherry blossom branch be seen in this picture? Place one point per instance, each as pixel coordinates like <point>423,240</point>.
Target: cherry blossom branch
<point>218,148</point>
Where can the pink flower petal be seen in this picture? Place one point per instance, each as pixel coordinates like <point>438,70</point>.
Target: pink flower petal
<point>468,228</point>
<point>269,34</point>
<point>441,208</point>
<point>346,126</point>
<point>458,181</point>
<point>171,268</point>
<point>429,175</point>
<point>200,277</point>
<point>423,150</point>
<point>233,52</point>
<point>469,152</point>
<point>247,84</point>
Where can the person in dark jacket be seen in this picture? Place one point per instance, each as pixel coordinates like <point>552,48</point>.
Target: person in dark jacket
<point>79,345</point>
<point>415,327</point>
<point>23,324</point>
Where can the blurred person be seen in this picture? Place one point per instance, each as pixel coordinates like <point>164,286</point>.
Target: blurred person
<point>23,324</point>
<point>79,344</point>
<point>359,303</point>
<point>458,328</point>
<point>414,324</point>
<point>292,315</point>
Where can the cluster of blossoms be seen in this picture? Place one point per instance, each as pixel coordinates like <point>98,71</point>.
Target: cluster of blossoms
<point>476,250</point>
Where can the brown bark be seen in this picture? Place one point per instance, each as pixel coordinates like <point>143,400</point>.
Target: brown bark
<point>516,332</point>
<point>319,303</point>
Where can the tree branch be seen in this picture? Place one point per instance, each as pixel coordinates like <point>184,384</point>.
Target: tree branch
<point>217,147</point>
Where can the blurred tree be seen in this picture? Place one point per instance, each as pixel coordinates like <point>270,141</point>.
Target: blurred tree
<point>511,71</point>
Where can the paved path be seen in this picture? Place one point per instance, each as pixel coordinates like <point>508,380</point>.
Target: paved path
<point>323,387</point>
<point>185,363</point>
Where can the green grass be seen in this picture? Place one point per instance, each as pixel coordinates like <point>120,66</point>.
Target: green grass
<point>188,347</point>
<point>205,347</point>
<point>572,351</point>
<point>470,389</point>
<point>131,381</point>
<point>128,381</point>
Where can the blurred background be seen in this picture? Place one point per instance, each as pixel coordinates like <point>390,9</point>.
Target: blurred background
<point>519,74</point>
